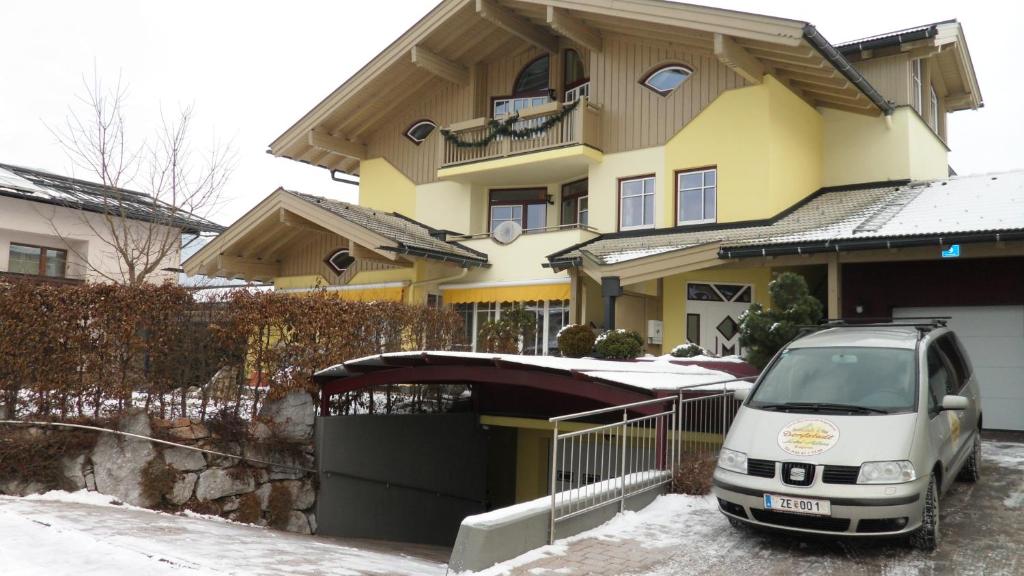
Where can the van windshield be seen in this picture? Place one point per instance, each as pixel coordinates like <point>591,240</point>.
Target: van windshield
<point>857,380</point>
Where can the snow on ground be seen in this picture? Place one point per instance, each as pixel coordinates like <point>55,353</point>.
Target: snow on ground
<point>83,534</point>
<point>1008,455</point>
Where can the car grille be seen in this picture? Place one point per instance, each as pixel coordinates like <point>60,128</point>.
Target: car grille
<point>788,476</point>
<point>823,523</point>
<point>762,468</point>
<point>840,474</point>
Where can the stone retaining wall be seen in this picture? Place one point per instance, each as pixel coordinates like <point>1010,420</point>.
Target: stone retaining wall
<point>152,475</point>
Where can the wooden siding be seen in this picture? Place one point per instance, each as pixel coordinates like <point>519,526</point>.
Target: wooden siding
<point>890,75</point>
<point>635,117</point>
<point>307,256</point>
<point>632,117</point>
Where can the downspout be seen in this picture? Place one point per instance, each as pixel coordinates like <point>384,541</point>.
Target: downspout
<point>462,274</point>
<point>829,52</point>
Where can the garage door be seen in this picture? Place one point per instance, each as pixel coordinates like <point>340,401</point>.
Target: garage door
<point>994,338</point>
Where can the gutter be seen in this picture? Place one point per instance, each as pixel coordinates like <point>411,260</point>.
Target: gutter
<point>424,253</point>
<point>871,244</point>
<point>893,39</point>
<point>836,58</point>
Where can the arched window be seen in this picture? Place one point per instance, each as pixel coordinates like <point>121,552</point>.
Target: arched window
<point>339,261</point>
<point>665,79</point>
<point>533,77</point>
<point>531,88</point>
<point>419,131</point>
<point>577,84</point>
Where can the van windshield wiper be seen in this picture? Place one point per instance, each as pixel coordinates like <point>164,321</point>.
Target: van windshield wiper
<point>786,406</point>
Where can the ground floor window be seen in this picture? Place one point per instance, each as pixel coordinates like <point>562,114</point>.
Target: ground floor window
<point>37,261</point>
<point>551,316</point>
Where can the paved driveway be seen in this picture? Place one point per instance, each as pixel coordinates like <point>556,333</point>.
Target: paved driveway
<point>982,527</point>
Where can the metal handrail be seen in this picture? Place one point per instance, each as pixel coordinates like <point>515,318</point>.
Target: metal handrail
<point>611,409</point>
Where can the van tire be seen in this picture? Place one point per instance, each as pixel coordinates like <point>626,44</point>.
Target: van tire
<point>927,536</point>
<point>971,471</point>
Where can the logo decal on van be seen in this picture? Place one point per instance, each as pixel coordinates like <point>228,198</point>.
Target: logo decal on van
<point>808,437</point>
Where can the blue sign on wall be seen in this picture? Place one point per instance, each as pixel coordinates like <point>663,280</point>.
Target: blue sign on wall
<point>953,252</point>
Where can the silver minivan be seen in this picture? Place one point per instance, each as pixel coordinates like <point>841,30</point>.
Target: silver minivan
<point>854,430</point>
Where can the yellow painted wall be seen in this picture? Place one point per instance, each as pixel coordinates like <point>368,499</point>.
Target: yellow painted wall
<point>766,143</point>
<point>523,258</point>
<point>604,187</point>
<point>861,148</point>
<point>674,298</point>
<point>531,463</point>
<point>382,187</point>
<point>299,282</point>
<point>444,205</point>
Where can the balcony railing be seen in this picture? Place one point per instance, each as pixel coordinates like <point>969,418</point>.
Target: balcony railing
<point>581,125</point>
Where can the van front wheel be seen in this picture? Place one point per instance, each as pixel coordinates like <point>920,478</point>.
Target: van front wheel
<point>971,471</point>
<point>927,536</point>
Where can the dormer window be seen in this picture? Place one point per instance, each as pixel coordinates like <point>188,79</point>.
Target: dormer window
<point>419,131</point>
<point>665,79</point>
<point>339,261</point>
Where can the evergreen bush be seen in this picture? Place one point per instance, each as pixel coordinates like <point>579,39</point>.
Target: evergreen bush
<point>619,345</point>
<point>576,341</point>
<point>764,331</point>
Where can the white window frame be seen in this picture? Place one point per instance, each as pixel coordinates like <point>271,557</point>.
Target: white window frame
<point>574,94</point>
<point>704,188</point>
<point>644,193</point>
<point>418,141</point>
<point>581,211</point>
<point>916,88</point>
<point>543,328</point>
<point>933,112</point>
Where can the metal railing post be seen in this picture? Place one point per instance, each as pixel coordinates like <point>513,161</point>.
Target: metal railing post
<point>554,476</point>
<point>622,467</point>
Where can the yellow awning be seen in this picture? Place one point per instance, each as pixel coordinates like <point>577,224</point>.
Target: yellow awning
<point>507,293</point>
<point>390,294</point>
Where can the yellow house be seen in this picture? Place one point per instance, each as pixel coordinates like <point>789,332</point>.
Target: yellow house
<point>645,165</point>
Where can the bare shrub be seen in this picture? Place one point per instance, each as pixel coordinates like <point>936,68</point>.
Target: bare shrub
<point>157,480</point>
<point>36,455</point>
<point>248,509</point>
<point>279,506</point>
<point>692,475</point>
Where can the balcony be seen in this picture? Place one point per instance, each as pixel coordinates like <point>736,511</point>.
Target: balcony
<point>564,150</point>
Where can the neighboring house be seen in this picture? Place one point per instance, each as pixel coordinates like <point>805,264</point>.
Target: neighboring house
<point>61,229</point>
<point>650,165</point>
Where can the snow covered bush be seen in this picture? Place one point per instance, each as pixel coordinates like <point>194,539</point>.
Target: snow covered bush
<point>619,345</point>
<point>689,350</point>
<point>576,341</point>
<point>763,331</point>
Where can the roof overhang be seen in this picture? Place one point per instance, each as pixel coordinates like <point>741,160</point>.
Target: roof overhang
<point>652,267</point>
<point>943,41</point>
<point>444,46</point>
<point>252,247</point>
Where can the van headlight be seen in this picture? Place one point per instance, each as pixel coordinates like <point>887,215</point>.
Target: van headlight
<point>732,461</point>
<point>895,472</point>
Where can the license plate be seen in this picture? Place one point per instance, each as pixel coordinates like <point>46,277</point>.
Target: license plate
<point>811,506</point>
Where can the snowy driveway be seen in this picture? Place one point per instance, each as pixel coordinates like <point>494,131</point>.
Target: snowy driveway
<point>686,535</point>
<point>80,534</point>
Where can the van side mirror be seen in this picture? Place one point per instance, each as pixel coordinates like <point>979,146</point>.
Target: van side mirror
<point>951,402</point>
<point>741,395</point>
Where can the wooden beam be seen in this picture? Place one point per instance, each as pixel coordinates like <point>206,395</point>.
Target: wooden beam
<point>438,66</point>
<point>516,25</point>
<point>562,22</point>
<point>290,219</point>
<point>734,56</point>
<point>835,287</point>
<point>249,267</point>
<point>339,146</point>
<point>835,82</point>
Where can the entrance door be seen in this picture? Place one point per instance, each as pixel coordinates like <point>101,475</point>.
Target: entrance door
<point>712,315</point>
<point>994,338</point>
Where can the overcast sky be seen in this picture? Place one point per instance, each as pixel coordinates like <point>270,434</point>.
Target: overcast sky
<point>251,69</point>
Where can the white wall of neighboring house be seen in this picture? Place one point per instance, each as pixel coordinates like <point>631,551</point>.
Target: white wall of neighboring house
<point>81,233</point>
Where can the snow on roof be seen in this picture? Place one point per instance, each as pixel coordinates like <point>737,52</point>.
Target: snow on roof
<point>647,375</point>
<point>958,205</point>
<point>39,186</point>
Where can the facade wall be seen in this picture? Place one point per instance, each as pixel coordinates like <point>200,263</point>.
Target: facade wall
<point>674,296</point>
<point>632,116</point>
<point>383,187</point>
<point>890,75</point>
<point>85,235</point>
<point>868,149</point>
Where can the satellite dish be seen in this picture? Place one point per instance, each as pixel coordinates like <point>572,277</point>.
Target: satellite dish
<point>507,232</point>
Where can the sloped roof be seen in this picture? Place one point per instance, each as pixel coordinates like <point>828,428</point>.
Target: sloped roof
<point>38,186</point>
<point>411,237</point>
<point>839,220</point>
<point>891,38</point>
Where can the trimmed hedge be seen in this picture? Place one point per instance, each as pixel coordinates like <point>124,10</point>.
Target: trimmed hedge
<point>619,345</point>
<point>576,341</point>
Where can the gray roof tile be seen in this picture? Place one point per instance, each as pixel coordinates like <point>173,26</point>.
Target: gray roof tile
<point>958,205</point>
<point>411,236</point>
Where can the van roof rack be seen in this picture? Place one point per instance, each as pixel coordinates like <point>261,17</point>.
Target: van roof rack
<point>923,324</point>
